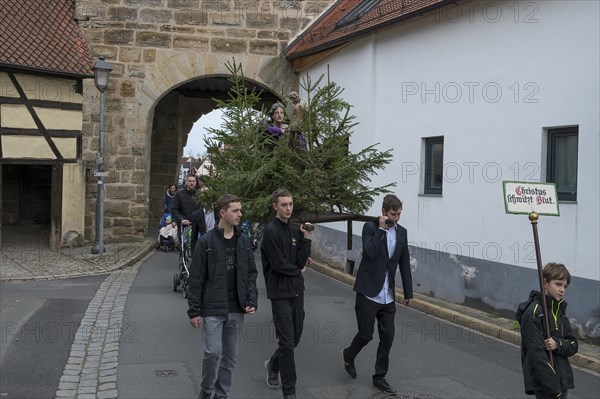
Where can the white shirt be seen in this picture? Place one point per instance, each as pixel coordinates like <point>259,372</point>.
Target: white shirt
<point>386,295</point>
<point>209,219</point>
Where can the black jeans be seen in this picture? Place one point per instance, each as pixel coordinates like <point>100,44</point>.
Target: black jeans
<point>288,315</point>
<point>366,312</point>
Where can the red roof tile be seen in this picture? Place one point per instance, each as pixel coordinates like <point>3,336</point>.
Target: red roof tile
<point>43,35</point>
<point>322,34</point>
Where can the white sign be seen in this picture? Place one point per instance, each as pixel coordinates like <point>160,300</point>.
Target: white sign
<point>525,197</point>
<point>103,174</point>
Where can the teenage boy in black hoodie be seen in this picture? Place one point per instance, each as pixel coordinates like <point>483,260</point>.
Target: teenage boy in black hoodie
<point>222,291</point>
<point>285,252</point>
<point>542,378</point>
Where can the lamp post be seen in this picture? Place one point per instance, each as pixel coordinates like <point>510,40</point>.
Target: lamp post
<point>101,73</point>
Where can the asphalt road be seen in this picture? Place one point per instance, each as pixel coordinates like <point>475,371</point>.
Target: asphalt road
<point>160,354</point>
<point>38,322</point>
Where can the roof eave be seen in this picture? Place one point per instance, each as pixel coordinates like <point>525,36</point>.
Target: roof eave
<point>323,15</point>
<point>361,33</point>
<point>44,71</point>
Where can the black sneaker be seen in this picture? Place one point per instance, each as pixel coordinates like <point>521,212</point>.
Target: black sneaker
<point>382,384</point>
<point>349,365</point>
<point>290,396</point>
<point>272,377</point>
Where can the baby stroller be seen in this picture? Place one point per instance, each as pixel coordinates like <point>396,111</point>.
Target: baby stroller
<point>167,235</point>
<point>185,257</point>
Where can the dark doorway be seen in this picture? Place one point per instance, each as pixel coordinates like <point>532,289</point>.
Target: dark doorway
<point>26,203</point>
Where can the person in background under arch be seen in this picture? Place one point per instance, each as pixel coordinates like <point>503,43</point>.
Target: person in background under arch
<point>168,198</point>
<point>184,204</point>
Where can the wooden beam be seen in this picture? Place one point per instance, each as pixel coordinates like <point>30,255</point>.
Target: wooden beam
<point>35,116</point>
<point>36,161</point>
<point>44,103</point>
<point>15,131</point>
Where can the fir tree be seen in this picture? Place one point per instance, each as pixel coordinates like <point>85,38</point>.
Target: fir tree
<point>325,178</point>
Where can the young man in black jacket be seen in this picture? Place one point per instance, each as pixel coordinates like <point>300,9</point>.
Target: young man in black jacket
<point>542,378</point>
<point>285,253</point>
<point>222,289</point>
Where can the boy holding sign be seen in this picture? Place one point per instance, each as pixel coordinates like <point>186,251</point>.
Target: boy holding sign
<point>546,368</point>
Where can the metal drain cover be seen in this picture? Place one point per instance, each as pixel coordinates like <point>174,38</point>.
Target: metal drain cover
<point>166,373</point>
<point>401,395</point>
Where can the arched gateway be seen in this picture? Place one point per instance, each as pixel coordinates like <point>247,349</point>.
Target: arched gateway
<point>169,61</point>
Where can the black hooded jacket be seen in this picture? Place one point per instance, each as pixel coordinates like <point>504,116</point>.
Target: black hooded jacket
<point>284,252</point>
<point>538,373</point>
<point>208,275</point>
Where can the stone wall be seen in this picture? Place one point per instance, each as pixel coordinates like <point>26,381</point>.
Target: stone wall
<point>155,46</point>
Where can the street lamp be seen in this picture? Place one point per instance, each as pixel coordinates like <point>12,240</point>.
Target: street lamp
<point>101,73</point>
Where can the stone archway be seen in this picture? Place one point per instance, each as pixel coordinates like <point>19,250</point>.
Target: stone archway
<point>174,115</point>
<point>151,131</point>
<point>154,47</point>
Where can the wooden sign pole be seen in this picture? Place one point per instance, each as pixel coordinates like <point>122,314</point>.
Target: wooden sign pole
<point>533,217</point>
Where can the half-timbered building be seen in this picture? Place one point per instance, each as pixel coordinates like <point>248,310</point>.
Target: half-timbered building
<point>43,61</point>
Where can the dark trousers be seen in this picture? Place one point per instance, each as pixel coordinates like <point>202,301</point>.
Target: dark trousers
<point>288,315</point>
<point>367,312</point>
<point>543,395</point>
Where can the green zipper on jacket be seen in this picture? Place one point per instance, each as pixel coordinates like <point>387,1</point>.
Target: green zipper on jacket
<point>555,314</point>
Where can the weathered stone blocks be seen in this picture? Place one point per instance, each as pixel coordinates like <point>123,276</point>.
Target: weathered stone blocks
<point>191,18</point>
<point>146,3</point>
<point>116,208</point>
<point>149,55</point>
<point>263,47</point>
<point>180,4</point>
<point>118,36</point>
<point>128,54</point>
<point>224,45</point>
<point>190,42</point>
<point>119,191</point>
<point>260,20</point>
<point>156,16</point>
<point>153,39</point>
<point>293,24</point>
<point>122,13</point>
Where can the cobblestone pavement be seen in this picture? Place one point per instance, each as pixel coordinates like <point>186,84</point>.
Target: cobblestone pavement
<point>30,260</point>
<point>91,369</point>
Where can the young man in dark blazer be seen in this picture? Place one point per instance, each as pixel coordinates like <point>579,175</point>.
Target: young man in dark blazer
<point>385,247</point>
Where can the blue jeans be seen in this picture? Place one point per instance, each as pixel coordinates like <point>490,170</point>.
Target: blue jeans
<point>221,338</point>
